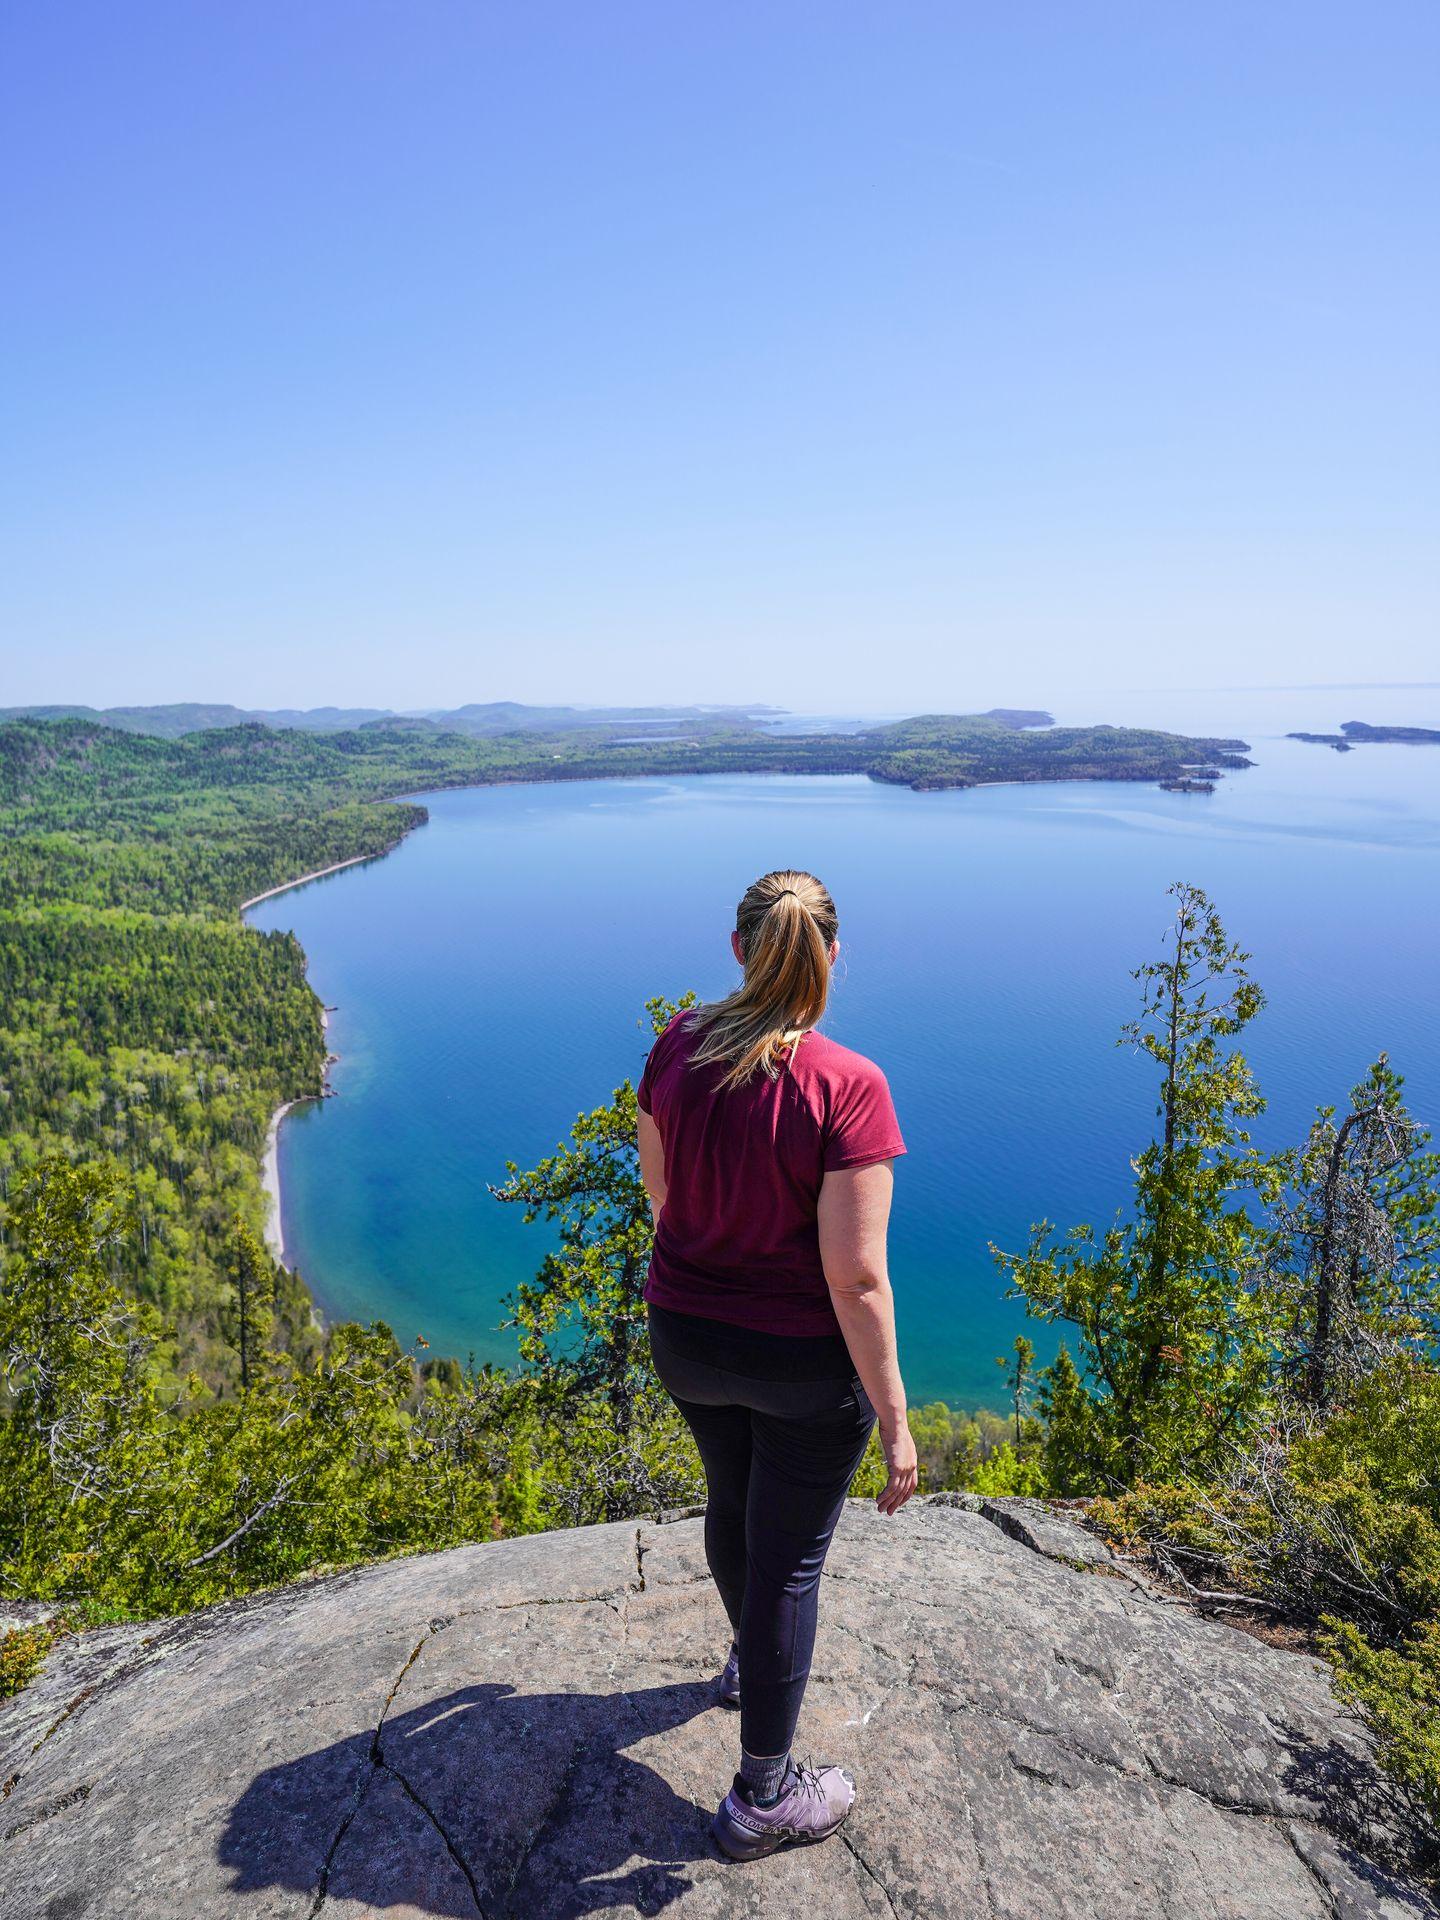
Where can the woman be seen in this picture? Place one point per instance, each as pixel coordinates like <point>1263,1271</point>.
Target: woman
<point>766,1151</point>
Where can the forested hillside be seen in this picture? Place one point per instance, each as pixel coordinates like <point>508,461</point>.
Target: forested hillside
<point>142,1027</point>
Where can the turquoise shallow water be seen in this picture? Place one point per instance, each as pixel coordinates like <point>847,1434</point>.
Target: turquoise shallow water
<point>490,975</point>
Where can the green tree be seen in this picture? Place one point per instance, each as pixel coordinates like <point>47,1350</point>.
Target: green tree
<point>113,1495</point>
<point>80,1444</point>
<point>1173,1357</point>
<point>73,1351</point>
<point>582,1322</point>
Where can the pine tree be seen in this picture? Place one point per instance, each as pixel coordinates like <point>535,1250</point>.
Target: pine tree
<point>1354,1276</point>
<point>250,1320</point>
<point>1017,1379</point>
<point>1172,1354</point>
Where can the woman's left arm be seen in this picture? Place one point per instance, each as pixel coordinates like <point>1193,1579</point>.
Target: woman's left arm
<point>652,1161</point>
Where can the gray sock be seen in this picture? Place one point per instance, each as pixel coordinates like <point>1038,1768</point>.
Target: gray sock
<point>764,1777</point>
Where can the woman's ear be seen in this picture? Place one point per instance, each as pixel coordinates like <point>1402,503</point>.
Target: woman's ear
<point>736,948</point>
<point>834,951</point>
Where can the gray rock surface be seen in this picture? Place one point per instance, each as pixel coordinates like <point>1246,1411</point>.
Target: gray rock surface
<point>1045,1530</point>
<point>526,1729</point>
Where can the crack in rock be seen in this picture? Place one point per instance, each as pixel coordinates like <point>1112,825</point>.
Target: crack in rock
<point>1326,1892</point>
<point>609,1597</point>
<point>362,1787</point>
<point>174,1636</point>
<point>858,1857</point>
<point>433,1818</point>
<point>1047,1776</point>
<point>974,1826</point>
<point>1244,1809</point>
<point>951,1705</point>
<point>73,1707</point>
<point>373,1763</point>
<point>1103,1677</point>
<point>71,1799</point>
<point>546,1820</point>
<point>1167,1814</point>
<point>970,1821</point>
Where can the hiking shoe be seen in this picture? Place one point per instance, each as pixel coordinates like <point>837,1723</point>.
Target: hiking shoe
<point>727,1687</point>
<point>813,1802</point>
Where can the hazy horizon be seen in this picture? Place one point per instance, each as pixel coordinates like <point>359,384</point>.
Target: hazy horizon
<point>342,702</point>
<point>930,359</point>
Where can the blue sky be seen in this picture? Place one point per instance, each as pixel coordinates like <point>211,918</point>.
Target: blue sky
<point>874,357</point>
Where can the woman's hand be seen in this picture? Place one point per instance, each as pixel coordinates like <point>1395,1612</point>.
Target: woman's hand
<point>899,1449</point>
<point>853,1212</point>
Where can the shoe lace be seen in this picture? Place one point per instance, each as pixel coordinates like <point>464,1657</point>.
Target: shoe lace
<point>807,1778</point>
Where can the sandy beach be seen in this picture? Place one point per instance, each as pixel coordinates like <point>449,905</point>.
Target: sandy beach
<point>270,1181</point>
<point>270,1162</point>
<point>301,879</point>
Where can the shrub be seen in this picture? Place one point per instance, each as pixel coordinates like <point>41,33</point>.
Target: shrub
<point>1344,1521</point>
<point>1396,1691</point>
<point>22,1654</point>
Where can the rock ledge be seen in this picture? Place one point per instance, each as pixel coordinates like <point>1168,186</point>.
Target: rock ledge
<point>526,1729</point>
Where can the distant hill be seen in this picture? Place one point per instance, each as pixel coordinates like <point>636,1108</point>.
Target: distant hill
<point>490,718</point>
<point>191,716</point>
<point>925,729</point>
<point>511,716</point>
<point>477,719</point>
<point>1018,717</point>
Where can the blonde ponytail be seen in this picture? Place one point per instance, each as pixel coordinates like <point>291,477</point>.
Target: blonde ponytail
<point>787,925</point>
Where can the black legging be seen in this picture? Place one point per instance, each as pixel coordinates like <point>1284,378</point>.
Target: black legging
<point>781,1425</point>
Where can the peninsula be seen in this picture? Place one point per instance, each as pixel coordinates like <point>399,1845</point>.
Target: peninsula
<point>45,763</point>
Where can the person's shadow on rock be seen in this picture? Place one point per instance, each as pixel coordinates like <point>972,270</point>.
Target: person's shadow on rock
<point>485,1801</point>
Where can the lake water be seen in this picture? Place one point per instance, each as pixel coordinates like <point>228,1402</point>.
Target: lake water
<point>490,976</point>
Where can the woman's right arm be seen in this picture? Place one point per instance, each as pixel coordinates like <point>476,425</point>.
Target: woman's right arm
<point>854,1214</point>
<point>652,1161</point>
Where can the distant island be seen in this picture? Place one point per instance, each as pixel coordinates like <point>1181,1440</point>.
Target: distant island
<point>1355,733</point>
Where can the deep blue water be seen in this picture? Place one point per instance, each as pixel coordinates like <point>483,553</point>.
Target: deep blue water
<point>490,976</point>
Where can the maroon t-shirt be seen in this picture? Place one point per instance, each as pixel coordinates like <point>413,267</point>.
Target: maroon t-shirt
<point>737,1238</point>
